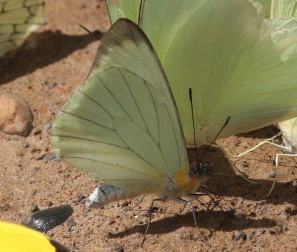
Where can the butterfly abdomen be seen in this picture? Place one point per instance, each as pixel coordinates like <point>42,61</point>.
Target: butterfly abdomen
<point>105,194</point>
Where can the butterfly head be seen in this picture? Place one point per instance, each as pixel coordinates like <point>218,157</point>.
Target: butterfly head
<point>200,170</point>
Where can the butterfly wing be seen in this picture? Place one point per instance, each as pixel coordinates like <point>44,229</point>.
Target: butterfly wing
<point>114,11</point>
<point>282,11</point>
<point>124,9</point>
<point>237,64</point>
<point>17,20</point>
<point>266,7</point>
<point>283,8</point>
<point>122,125</point>
<point>162,20</point>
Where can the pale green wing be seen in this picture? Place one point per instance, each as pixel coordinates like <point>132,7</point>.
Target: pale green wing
<point>293,122</point>
<point>235,66</point>
<point>124,9</point>
<point>278,8</point>
<point>18,18</point>
<point>114,11</point>
<point>283,8</point>
<point>283,11</point>
<point>266,7</point>
<point>162,20</point>
<point>122,125</point>
<point>130,9</point>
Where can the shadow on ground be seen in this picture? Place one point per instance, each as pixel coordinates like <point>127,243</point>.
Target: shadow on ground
<point>49,47</point>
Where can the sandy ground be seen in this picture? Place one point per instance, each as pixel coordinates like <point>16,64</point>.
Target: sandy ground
<point>45,72</point>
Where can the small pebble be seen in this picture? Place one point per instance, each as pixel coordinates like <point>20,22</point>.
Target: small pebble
<point>43,83</point>
<point>240,216</point>
<point>275,230</point>
<point>49,202</point>
<point>230,212</point>
<point>118,247</point>
<point>52,157</point>
<point>80,196</point>
<point>290,209</point>
<point>16,117</point>
<point>37,131</point>
<point>47,126</point>
<point>34,208</point>
<point>272,175</point>
<point>125,203</point>
<point>47,219</point>
<point>53,85</point>
<point>71,222</point>
<point>240,236</point>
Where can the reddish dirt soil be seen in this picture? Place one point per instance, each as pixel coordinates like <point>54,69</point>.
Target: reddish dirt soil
<point>45,72</point>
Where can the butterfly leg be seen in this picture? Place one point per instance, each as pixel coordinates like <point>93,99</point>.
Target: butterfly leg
<point>222,175</point>
<point>276,169</point>
<point>193,211</point>
<point>212,198</point>
<point>150,217</point>
<point>267,141</point>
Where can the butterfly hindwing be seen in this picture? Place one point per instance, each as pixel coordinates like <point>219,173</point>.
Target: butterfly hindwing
<point>122,125</point>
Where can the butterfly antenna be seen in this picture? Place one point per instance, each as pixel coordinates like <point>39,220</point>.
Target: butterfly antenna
<point>92,33</point>
<point>193,121</point>
<point>206,149</point>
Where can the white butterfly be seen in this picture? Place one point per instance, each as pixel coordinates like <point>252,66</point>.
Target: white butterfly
<point>288,127</point>
<point>122,125</point>
<point>236,62</point>
<point>18,18</point>
<point>281,13</point>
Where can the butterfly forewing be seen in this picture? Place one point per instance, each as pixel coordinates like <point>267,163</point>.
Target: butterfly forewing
<point>236,63</point>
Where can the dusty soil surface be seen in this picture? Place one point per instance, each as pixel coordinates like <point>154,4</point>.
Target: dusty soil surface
<point>45,72</point>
